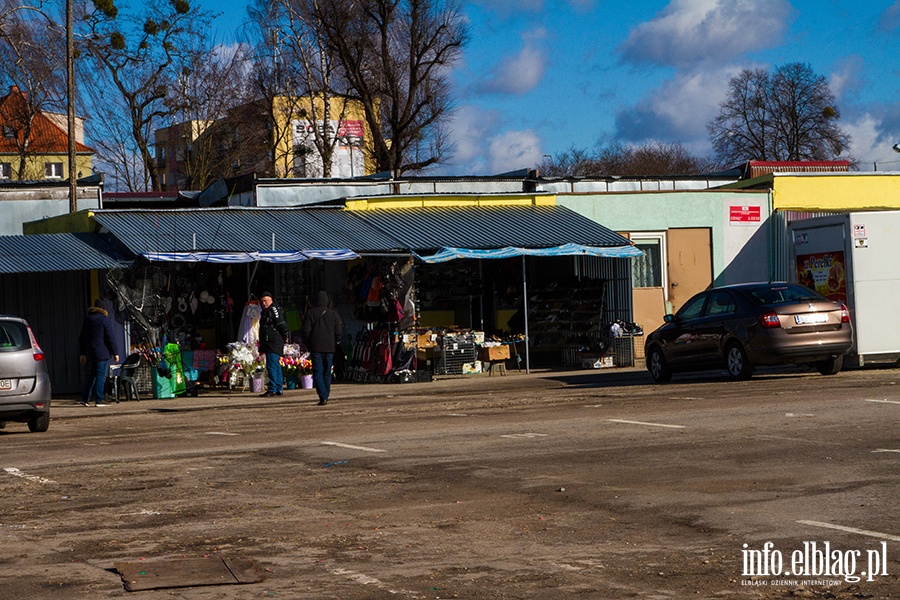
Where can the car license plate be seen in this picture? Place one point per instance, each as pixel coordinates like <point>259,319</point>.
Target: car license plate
<point>5,385</point>
<point>810,319</point>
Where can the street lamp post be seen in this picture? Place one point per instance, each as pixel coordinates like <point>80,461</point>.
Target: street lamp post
<point>895,148</point>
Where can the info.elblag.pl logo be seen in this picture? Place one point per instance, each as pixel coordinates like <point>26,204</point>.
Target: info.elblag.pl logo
<point>817,560</point>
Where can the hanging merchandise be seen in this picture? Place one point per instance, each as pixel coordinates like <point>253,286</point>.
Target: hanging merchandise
<point>248,330</point>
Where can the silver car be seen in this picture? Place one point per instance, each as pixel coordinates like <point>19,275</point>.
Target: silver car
<point>24,380</point>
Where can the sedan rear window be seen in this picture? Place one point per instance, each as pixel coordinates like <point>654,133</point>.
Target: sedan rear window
<point>13,336</point>
<point>782,293</point>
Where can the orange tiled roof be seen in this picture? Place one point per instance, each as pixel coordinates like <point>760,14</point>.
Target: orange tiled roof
<point>46,136</point>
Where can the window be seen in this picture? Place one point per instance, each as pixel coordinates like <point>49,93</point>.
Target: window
<point>9,132</point>
<point>647,270</point>
<point>53,170</point>
<point>692,309</point>
<point>5,170</point>
<point>720,303</point>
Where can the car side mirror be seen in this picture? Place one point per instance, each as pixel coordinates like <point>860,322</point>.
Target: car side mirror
<point>669,318</point>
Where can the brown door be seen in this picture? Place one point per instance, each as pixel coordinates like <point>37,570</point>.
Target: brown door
<point>689,253</point>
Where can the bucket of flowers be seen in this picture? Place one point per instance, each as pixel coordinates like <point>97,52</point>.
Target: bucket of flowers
<point>290,365</point>
<point>305,372</point>
<point>242,363</point>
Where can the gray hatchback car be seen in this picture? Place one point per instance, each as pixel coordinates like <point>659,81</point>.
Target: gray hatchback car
<point>24,380</point>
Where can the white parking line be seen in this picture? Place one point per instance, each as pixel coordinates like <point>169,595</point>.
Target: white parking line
<point>875,534</point>
<point>18,473</point>
<point>644,423</point>
<point>885,450</point>
<point>220,433</point>
<point>885,401</point>
<point>524,435</point>
<point>362,448</point>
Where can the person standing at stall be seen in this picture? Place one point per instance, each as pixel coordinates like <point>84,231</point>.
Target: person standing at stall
<point>273,332</point>
<point>322,335</point>
<point>97,347</point>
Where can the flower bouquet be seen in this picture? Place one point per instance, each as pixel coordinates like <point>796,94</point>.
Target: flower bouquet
<point>241,362</point>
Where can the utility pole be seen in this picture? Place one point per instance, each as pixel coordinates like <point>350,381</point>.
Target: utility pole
<point>70,83</point>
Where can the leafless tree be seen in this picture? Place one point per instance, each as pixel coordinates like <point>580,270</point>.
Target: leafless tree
<point>658,159</point>
<point>396,56</point>
<point>134,55</point>
<point>211,81</point>
<point>30,46</point>
<point>784,115</point>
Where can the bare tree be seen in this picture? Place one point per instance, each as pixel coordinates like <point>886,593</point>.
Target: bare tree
<point>30,47</point>
<point>784,115</point>
<point>629,161</point>
<point>136,53</point>
<point>396,56</point>
<point>211,81</point>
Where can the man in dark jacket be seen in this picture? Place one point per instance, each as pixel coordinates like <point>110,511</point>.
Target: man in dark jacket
<point>273,332</point>
<point>97,347</point>
<point>322,336</point>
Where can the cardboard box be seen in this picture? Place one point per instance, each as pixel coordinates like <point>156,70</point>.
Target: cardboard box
<point>493,353</point>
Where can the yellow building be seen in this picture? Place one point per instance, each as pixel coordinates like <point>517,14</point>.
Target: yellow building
<point>276,139</point>
<point>43,143</point>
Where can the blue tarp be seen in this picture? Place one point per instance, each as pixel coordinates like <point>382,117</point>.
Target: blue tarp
<point>247,257</point>
<point>446,254</point>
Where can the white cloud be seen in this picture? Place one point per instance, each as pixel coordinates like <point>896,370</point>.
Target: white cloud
<point>691,32</point>
<point>513,150</point>
<point>481,148</point>
<point>517,74</point>
<point>467,129</point>
<point>848,78</point>
<point>677,111</point>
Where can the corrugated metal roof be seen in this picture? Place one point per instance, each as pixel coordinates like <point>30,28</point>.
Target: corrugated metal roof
<point>242,230</point>
<point>56,252</point>
<point>370,231</point>
<point>490,227</point>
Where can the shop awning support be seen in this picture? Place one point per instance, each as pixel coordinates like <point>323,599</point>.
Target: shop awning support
<point>525,309</point>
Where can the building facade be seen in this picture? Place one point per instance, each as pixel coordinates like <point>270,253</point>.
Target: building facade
<point>34,145</point>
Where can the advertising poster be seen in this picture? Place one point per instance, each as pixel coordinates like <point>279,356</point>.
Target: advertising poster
<point>823,272</point>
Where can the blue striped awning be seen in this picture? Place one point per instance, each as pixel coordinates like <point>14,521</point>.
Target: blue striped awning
<point>246,257</point>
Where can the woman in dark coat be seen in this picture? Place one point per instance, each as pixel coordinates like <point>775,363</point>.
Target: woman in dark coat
<point>97,347</point>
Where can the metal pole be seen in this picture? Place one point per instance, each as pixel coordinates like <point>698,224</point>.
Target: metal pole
<point>70,102</point>
<point>525,309</point>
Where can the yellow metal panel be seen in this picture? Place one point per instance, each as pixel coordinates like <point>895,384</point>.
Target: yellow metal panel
<point>839,192</point>
<point>432,201</point>
<point>80,222</point>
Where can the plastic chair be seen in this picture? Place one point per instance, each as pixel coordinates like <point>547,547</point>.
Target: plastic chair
<point>122,376</point>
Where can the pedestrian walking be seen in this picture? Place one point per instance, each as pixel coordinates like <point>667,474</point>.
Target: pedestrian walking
<point>322,335</point>
<point>97,347</point>
<point>273,332</point>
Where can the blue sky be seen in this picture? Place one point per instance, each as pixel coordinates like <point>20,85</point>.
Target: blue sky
<point>541,76</point>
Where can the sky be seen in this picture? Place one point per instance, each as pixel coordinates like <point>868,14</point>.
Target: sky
<point>540,77</point>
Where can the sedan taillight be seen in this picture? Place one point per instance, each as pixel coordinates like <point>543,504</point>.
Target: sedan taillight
<point>35,348</point>
<point>845,314</point>
<point>770,320</point>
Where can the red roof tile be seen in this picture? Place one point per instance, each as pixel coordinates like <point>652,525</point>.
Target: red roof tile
<point>46,136</point>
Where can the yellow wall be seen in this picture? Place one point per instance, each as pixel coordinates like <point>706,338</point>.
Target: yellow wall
<point>286,110</point>
<point>34,165</point>
<point>79,222</point>
<point>427,201</point>
<point>838,192</point>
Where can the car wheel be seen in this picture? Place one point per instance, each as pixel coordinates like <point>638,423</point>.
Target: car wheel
<point>736,361</point>
<point>39,422</point>
<point>830,366</point>
<point>659,369</point>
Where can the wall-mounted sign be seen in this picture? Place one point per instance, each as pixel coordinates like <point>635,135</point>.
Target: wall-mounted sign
<point>744,214</point>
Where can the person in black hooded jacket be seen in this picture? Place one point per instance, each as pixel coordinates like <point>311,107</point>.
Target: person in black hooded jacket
<point>322,335</point>
<point>273,333</point>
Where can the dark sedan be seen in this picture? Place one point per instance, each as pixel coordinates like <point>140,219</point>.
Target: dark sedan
<point>737,327</point>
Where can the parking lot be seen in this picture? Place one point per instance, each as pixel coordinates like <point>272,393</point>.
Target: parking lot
<point>589,484</point>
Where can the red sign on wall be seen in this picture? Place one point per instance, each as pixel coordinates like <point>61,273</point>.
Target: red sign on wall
<point>744,214</point>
